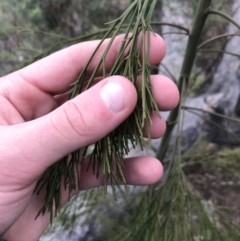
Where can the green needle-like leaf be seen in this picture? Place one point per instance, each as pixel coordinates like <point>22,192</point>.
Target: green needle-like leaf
<point>107,157</point>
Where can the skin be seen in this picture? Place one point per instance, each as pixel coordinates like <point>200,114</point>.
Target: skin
<point>38,126</point>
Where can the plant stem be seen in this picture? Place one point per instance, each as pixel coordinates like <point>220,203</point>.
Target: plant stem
<point>191,51</point>
<point>107,156</point>
<point>222,128</point>
<point>220,51</point>
<point>171,25</point>
<point>218,37</point>
<point>169,73</point>
<point>224,15</point>
<point>212,113</point>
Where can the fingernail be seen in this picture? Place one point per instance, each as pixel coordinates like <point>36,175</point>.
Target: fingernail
<point>114,96</point>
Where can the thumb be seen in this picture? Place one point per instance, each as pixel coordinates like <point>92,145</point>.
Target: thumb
<point>77,123</point>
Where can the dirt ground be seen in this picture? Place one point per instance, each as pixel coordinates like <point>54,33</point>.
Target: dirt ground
<point>223,191</point>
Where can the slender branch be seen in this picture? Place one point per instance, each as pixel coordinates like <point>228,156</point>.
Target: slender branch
<point>217,125</point>
<point>169,73</point>
<point>220,51</point>
<point>212,113</point>
<point>40,32</point>
<point>30,49</point>
<point>95,35</point>
<point>218,37</point>
<point>62,44</point>
<point>224,15</point>
<point>172,25</point>
<point>179,33</point>
<point>191,51</point>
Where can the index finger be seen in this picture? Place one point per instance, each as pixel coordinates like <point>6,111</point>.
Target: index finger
<point>55,73</point>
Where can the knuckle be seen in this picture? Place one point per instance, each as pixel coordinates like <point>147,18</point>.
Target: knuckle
<point>76,119</point>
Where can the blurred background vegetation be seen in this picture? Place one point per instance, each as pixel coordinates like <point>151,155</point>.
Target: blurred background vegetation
<point>201,193</point>
<point>24,23</point>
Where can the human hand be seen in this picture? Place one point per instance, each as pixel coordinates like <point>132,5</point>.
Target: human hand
<point>38,126</point>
